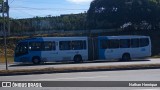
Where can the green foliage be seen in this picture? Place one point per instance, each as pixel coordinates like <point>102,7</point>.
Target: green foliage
<point>114,13</point>
<point>102,14</point>
<point>63,22</point>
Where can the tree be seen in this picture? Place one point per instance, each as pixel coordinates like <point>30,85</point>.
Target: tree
<point>63,22</point>
<point>115,13</point>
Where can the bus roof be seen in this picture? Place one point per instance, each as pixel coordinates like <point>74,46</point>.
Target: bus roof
<point>122,37</point>
<point>53,38</point>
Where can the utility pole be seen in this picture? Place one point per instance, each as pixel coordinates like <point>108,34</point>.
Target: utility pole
<point>5,11</point>
<point>7,32</point>
<point>8,20</point>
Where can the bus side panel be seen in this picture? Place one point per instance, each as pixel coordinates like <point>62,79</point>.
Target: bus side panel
<point>23,59</point>
<point>101,52</point>
<point>92,48</point>
<point>150,47</point>
<point>95,48</point>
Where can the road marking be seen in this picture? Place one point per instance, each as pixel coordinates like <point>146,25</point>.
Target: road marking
<point>93,77</point>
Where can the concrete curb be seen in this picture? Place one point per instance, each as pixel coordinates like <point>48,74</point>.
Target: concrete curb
<point>78,69</point>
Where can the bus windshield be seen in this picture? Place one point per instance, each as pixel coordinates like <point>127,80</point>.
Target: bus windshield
<point>21,49</point>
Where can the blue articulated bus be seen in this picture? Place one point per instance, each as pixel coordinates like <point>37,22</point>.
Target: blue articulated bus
<point>79,49</point>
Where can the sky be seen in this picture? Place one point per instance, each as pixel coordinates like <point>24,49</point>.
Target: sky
<point>42,8</point>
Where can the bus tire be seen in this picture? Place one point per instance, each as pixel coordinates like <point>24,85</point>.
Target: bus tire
<point>36,60</point>
<point>126,57</point>
<point>78,59</point>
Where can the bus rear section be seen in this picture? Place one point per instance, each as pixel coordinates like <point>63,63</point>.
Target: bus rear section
<point>52,49</point>
<point>123,47</point>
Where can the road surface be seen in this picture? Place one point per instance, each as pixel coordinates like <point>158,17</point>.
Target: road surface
<point>86,64</point>
<point>126,75</point>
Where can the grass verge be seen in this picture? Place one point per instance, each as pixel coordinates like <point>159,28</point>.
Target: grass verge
<point>10,59</point>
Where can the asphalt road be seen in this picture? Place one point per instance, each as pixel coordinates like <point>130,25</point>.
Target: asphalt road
<point>86,64</point>
<point>125,75</point>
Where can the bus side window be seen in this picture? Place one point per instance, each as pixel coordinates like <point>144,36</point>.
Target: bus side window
<point>144,42</point>
<point>47,46</point>
<point>125,43</point>
<point>113,43</point>
<point>84,45</point>
<point>103,44</point>
<point>78,45</point>
<point>54,45</point>
<point>35,46</point>
<point>65,45</point>
<point>134,43</point>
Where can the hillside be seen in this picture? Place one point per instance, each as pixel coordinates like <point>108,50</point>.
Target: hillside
<point>49,23</point>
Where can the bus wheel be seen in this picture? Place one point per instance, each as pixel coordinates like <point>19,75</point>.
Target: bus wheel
<point>126,57</point>
<point>78,59</point>
<point>36,60</point>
